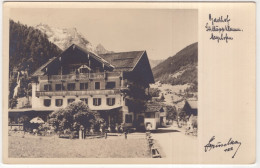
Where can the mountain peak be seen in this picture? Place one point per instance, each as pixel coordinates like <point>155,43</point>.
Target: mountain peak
<point>64,37</point>
<point>100,49</point>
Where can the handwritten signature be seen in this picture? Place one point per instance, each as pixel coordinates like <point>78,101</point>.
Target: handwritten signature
<point>229,146</point>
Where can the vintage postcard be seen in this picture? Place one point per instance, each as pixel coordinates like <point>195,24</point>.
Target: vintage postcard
<point>129,82</point>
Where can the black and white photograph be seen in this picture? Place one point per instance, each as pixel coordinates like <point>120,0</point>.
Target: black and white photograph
<point>137,83</point>
<point>102,83</point>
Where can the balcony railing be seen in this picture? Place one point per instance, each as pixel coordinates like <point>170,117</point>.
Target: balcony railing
<point>77,93</point>
<point>82,76</point>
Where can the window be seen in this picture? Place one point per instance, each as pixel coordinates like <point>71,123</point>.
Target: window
<point>111,101</point>
<point>47,102</point>
<point>59,87</point>
<point>59,102</point>
<point>71,86</point>
<point>47,87</point>
<point>110,85</point>
<point>70,100</point>
<point>128,118</point>
<point>96,101</point>
<point>83,86</point>
<point>97,85</point>
<point>83,70</point>
<point>85,100</point>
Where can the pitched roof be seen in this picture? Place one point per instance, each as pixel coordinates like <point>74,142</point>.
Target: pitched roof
<point>39,70</point>
<point>123,61</point>
<point>193,104</point>
<point>95,56</point>
<point>153,107</point>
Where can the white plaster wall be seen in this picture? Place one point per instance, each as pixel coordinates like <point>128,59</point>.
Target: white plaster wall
<point>39,102</point>
<point>36,102</point>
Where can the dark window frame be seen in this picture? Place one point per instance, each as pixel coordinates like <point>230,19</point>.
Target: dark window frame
<point>83,86</point>
<point>111,85</point>
<point>97,101</point>
<point>83,70</point>
<point>59,104</point>
<point>97,88</point>
<point>70,100</point>
<point>111,101</point>
<point>85,100</point>
<point>45,101</point>
<point>47,87</point>
<point>71,86</point>
<point>61,88</point>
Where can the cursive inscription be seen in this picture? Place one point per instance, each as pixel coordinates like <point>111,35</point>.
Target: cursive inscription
<point>227,147</point>
<point>220,28</point>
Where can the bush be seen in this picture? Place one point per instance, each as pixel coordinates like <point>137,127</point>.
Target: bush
<point>13,102</point>
<point>194,122</point>
<point>73,116</point>
<point>154,92</point>
<point>171,113</point>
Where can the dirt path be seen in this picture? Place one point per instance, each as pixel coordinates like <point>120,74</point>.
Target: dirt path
<point>176,145</point>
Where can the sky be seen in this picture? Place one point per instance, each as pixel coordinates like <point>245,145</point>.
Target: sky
<point>161,32</point>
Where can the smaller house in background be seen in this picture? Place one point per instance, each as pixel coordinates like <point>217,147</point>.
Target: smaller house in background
<point>155,115</point>
<point>191,107</point>
<point>191,110</point>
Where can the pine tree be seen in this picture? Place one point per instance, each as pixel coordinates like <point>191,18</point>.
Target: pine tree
<point>29,48</point>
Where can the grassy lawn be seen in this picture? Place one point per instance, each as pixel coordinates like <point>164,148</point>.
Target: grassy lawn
<point>50,147</point>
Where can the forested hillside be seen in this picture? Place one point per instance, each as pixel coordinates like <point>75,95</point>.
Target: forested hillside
<point>179,69</point>
<point>29,48</point>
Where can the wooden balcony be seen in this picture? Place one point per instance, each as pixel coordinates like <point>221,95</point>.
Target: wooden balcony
<point>82,76</point>
<point>77,93</point>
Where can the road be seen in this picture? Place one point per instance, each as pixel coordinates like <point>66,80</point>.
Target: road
<point>177,146</point>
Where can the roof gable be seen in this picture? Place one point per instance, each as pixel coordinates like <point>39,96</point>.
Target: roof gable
<point>152,106</point>
<point>72,48</point>
<point>95,56</point>
<point>40,71</point>
<point>123,61</point>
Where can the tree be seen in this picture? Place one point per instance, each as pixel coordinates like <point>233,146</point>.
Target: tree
<point>25,121</point>
<point>73,116</point>
<point>29,49</point>
<point>13,102</point>
<point>171,113</point>
<point>154,92</point>
<point>183,116</point>
<point>136,98</point>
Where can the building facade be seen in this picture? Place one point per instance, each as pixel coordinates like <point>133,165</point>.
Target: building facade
<point>103,82</point>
